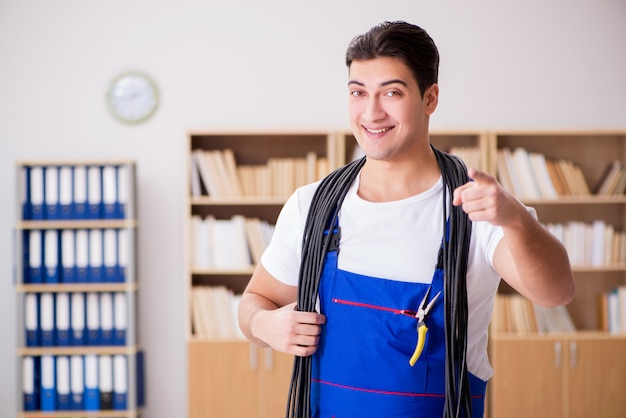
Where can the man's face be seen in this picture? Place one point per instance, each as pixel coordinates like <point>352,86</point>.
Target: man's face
<point>388,115</point>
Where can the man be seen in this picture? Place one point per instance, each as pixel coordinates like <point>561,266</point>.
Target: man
<point>371,354</point>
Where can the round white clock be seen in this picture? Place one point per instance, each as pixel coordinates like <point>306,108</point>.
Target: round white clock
<point>133,97</point>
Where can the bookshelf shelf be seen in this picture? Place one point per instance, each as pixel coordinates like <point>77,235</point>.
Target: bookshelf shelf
<point>76,290</point>
<point>568,359</point>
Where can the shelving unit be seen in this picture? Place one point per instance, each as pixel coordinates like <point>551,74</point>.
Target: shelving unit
<point>112,347</point>
<point>571,374</point>
<point>261,375</point>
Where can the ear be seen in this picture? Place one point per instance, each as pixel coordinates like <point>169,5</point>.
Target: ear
<point>431,98</point>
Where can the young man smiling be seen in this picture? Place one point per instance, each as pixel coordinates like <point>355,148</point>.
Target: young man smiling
<point>389,258</point>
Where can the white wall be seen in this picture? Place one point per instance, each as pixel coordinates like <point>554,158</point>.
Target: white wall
<point>243,64</point>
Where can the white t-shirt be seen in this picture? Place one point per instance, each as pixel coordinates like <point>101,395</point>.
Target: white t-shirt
<point>396,240</point>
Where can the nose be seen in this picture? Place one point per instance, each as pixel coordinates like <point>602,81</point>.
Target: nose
<point>373,110</point>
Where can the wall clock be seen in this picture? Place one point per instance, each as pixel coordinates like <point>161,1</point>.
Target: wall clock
<point>132,97</point>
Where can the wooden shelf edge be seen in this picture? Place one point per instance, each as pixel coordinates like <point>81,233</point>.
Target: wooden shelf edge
<point>79,350</point>
<point>77,224</point>
<point>129,413</point>
<point>77,287</point>
<point>511,336</point>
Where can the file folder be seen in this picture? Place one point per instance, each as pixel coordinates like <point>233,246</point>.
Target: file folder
<point>80,193</point>
<point>63,319</point>
<point>123,184</point>
<point>140,369</point>
<point>51,192</point>
<point>96,268</point>
<point>106,318</point>
<point>28,384</point>
<point>105,380</point>
<point>81,249</point>
<point>51,256</point>
<point>123,244</point>
<point>111,269</point>
<point>48,390</point>
<point>94,192</point>
<point>120,382</point>
<point>31,319</point>
<point>46,319</point>
<point>68,256</point>
<point>63,383</point>
<point>109,192</point>
<point>77,311</point>
<point>36,193</point>
<point>93,319</point>
<point>77,384</point>
<point>25,192</point>
<point>66,192</point>
<point>35,256</point>
<point>92,391</point>
<point>120,317</point>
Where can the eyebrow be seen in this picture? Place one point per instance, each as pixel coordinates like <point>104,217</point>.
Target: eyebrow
<point>383,84</point>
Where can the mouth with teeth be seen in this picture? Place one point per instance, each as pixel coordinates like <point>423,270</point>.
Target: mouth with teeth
<point>378,131</point>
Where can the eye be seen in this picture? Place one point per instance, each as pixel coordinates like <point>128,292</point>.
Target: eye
<point>356,93</point>
<point>392,93</point>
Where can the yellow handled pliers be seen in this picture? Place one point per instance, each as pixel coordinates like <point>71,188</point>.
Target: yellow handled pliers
<point>421,314</point>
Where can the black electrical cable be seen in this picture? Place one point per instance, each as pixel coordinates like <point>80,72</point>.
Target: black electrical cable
<point>322,217</point>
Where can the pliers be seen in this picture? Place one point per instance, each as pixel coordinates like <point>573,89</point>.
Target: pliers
<point>421,314</point>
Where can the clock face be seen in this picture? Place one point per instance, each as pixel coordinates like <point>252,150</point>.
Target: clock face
<point>132,97</point>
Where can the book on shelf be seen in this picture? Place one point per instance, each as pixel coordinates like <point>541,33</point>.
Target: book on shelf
<point>469,155</point>
<point>613,180</point>
<point>530,175</point>
<point>228,244</point>
<point>217,173</point>
<point>214,313</point>
<point>514,313</point>
<point>593,243</point>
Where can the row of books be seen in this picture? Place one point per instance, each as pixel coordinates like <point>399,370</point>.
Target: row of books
<point>470,155</point>
<point>612,310</point>
<point>216,173</point>
<point>228,244</point>
<point>74,192</point>
<point>531,175</point>
<point>613,180</point>
<point>79,383</point>
<point>514,313</point>
<point>214,313</point>
<point>75,319</point>
<point>591,244</point>
<point>75,256</point>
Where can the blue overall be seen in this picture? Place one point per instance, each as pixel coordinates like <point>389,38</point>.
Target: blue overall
<point>361,368</point>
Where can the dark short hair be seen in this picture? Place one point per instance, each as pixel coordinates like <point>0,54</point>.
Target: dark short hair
<point>402,40</point>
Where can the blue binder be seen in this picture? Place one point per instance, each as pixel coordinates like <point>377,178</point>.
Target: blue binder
<point>78,328</point>
<point>109,192</point>
<point>120,318</point>
<point>106,318</point>
<point>92,391</point>
<point>63,383</point>
<point>123,244</point>
<point>35,256</point>
<point>77,383</point>
<point>46,319</point>
<point>48,389</point>
<point>31,319</point>
<point>66,192</point>
<point>81,249</point>
<point>79,200</point>
<point>120,382</point>
<point>51,256</point>
<point>123,185</point>
<point>36,193</point>
<point>25,183</point>
<point>111,268</point>
<point>94,192</point>
<point>68,256</point>
<point>93,318</point>
<point>95,270</point>
<point>63,319</point>
<point>51,193</point>
<point>29,384</point>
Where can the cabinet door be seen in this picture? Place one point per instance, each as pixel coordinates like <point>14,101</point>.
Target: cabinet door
<point>223,379</point>
<point>597,377</point>
<point>528,380</point>
<point>274,383</point>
